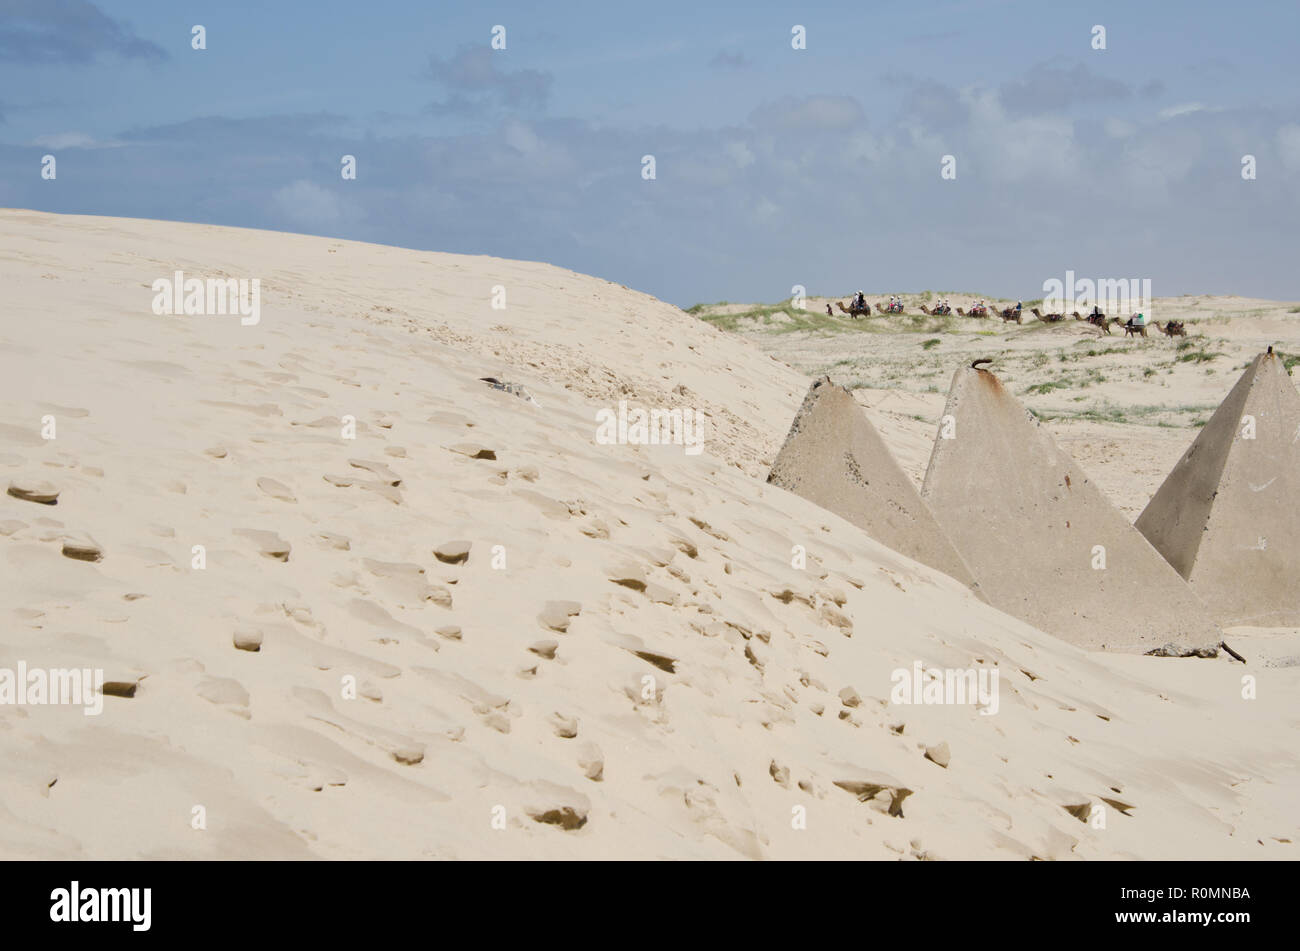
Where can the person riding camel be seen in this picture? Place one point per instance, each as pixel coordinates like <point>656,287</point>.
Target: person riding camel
<point>859,301</point>
<point>1019,305</point>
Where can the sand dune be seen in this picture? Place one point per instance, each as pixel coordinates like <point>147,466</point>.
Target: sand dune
<point>475,631</point>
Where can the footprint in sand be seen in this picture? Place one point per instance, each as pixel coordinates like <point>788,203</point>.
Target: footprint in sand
<point>545,649</point>
<point>939,754</point>
<point>276,489</point>
<point>331,540</point>
<point>473,450</point>
<point>407,583</point>
<point>378,486</point>
<point>565,727</point>
<point>227,693</point>
<point>555,615</point>
<point>550,804</point>
<point>268,543</point>
<point>31,490</point>
<point>592,762</point>
<point>453,553</point>
<point>82,548</point>
<point>377,469</point>
<point>248,639</point>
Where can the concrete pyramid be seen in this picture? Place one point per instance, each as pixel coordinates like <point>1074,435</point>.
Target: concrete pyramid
<point>834,457</point>
<point>1228,515</point>
<point>1045,544</point>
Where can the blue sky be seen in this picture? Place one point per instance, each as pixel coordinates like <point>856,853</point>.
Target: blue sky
<point>774,166</point>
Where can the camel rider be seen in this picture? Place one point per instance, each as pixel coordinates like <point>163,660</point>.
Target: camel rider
<point>1018,306</point>
<point>1138,320</point>
<point>859,301</point>
<point>1096,311</point>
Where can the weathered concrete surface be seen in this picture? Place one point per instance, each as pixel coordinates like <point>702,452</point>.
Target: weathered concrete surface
<point>1228,515</point>
<point>834,458</point>
<point>1029,521</point>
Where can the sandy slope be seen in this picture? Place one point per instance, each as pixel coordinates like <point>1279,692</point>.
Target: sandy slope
<point>646,675</point>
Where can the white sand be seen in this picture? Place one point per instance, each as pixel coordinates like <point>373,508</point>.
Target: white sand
<point>181,431</point>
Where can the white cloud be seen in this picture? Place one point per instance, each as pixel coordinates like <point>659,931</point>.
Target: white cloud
<point>1288,145</point>
<point>810,114</point>
<point>1186,108</point>
<point>520,137</point>
<point>740,154</point>
<point>1119,128</point>
<point>73,140</point>
<point>1016,149</point>
<point>307,203</point>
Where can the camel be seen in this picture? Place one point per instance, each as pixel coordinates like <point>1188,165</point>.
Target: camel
<point>1051,318</point>
<point>975,311</point>
<point>852,312</point>
<point>1129,329</point>
<point>1097,320</point>
<point>1173,328</point>
<point>1009,313</point>
<point>890,308</point>
<point>939,311</point>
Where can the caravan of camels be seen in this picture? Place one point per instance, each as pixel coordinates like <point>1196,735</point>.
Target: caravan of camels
<point>1133,326</point>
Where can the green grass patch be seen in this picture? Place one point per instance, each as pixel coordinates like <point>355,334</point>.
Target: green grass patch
<point>1040,388</point>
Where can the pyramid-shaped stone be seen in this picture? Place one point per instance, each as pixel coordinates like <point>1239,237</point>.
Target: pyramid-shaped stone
<point>834,458</point>
<point>1228,515</point>
<point>1045,544</point>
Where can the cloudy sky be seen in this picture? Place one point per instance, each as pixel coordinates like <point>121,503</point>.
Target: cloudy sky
<point>774,166</point>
